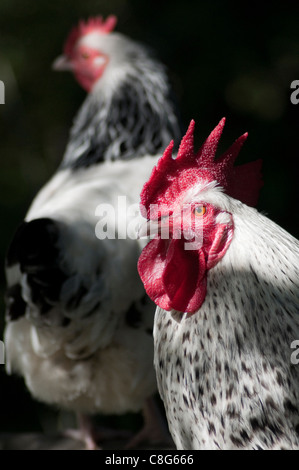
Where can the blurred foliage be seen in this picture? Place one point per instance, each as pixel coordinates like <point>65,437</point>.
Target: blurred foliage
<point>225,58</point>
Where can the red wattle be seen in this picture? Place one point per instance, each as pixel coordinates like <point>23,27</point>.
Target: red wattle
<point>173,277</point>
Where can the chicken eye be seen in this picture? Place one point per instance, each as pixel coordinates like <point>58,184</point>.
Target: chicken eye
<point>85,55</point>
<point>199,211</point>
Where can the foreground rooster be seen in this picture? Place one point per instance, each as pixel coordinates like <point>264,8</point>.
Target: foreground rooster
<point>79,323</point>
<point>226,283</point>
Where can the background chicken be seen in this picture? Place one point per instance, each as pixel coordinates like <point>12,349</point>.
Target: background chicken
<point>128,111</point>
<point>79,323</point>
<point>226,285</point>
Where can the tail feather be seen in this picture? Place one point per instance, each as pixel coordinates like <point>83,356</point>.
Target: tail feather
<point>34,249</point>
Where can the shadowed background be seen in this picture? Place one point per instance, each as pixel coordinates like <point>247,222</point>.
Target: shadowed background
<point>233,59</point>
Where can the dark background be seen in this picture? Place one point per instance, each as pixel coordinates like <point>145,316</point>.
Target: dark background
<point>233,59</point>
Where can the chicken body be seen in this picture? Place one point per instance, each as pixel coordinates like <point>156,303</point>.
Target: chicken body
<point>79,324</point>
<point>225,373</point>
<point>84,341</point>
<point>224,362</point>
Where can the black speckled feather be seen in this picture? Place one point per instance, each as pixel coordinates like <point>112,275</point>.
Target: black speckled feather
<point>140,118</point>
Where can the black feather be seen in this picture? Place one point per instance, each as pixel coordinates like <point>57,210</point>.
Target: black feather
<point>140,119</point>
<point>34,248</point>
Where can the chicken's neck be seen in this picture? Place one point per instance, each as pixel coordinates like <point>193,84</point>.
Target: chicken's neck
<point>128,114</point>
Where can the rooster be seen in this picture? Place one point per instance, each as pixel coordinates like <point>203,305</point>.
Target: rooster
<point>79,324</point>
<point>225,281</point>
<point>130,109</point>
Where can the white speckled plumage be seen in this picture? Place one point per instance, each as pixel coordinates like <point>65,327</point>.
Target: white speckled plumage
<point>225,372</point>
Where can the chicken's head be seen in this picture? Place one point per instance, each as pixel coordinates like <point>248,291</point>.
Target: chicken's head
<point>83,54</point>
<point>192,232</point>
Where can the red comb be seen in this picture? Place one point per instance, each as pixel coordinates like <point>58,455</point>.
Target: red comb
<point>85,27</point>
<point>172,177</point>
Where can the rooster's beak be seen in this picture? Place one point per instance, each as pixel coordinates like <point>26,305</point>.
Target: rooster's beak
<point>150,227</point>
<point>62,63</point>
<point>153,227</point>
